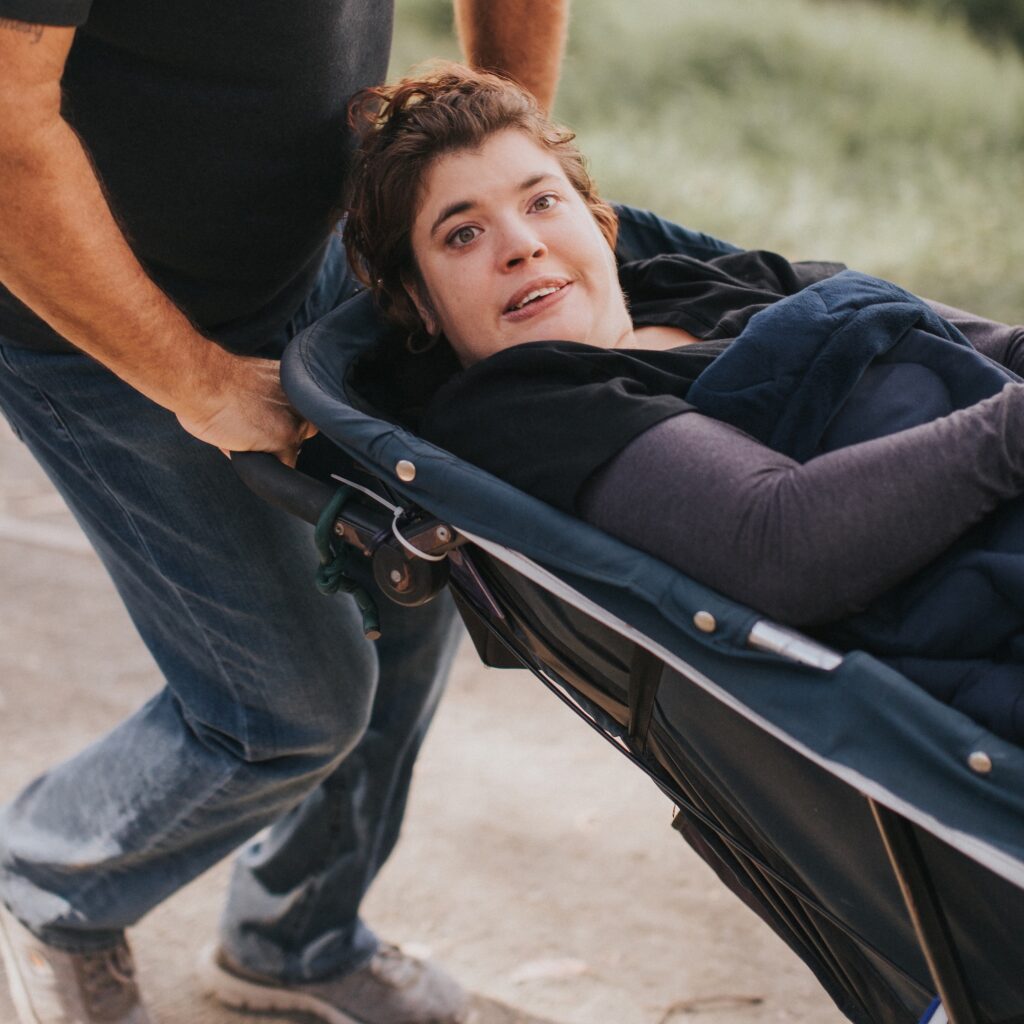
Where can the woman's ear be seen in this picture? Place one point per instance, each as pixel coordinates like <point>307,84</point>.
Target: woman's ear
<point>416,292</point>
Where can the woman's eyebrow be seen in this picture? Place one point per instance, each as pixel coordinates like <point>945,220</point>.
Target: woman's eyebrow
<point>462,205</point>
<point>452,210</point>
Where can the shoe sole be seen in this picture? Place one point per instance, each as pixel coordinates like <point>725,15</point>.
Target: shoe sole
<point>242,994</point>
<point>19,993</point>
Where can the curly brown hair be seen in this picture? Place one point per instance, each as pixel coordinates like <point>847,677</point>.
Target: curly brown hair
<point>401,130</point>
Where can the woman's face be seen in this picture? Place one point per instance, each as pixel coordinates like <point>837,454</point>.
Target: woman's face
<point>508,253</point>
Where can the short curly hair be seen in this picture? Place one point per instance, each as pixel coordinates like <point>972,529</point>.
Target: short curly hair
<point>401,130</point>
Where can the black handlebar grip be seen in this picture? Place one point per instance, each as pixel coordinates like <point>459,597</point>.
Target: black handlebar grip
<point>285,488</point>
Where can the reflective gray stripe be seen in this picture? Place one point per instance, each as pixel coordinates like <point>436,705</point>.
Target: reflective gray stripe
<point>776,639</point>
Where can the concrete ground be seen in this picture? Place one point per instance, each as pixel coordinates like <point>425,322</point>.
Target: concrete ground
<point>536,863</point>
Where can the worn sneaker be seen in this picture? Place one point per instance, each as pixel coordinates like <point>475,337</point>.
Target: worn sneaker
<point>49,986</point>
<point>393,988</point>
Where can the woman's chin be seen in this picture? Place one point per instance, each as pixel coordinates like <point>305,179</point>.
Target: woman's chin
<point>549,328</point>
<point>553,328</point>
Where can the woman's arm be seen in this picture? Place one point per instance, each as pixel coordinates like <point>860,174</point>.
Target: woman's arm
<point>1000,342</point>
<point>808,543</point>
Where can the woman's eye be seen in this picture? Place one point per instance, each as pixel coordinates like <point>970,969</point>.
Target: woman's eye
<point>542,203</point>
<point>462,236</point>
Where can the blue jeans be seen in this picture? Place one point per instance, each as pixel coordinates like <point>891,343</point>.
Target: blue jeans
<point>276,710</point>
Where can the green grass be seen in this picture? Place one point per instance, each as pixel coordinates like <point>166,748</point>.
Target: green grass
<point>837,130</point>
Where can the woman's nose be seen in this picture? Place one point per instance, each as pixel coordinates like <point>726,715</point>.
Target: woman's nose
<point>521,245</point>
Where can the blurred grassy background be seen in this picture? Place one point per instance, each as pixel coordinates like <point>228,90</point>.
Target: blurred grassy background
<point>841,129</point>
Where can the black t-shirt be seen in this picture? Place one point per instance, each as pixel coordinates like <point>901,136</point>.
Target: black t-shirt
<point>218,130</point>
<point>547,415</point>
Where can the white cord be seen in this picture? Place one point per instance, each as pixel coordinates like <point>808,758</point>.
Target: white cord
<point>398,513</point>
<point>370,494</point>
<point>410,547</point>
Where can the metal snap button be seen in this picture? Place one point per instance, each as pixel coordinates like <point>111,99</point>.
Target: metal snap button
<point>705,622</point>
<point>405,471</point>
<point>980,762</point>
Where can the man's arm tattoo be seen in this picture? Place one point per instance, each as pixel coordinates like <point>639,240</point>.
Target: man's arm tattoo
<point>24,27</point>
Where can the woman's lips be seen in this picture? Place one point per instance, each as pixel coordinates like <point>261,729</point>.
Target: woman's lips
<point>538,306</point>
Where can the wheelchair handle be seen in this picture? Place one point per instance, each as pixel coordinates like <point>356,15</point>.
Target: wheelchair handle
<point>306,498</point>
<point>403,577</point>
<point>279,485</point>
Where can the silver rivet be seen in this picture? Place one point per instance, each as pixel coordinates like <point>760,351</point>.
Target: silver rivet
<point>980,762</point>
<point>405,471</point>
<point>395,576</point>
<point>705,622</point>
<point>443,534</point>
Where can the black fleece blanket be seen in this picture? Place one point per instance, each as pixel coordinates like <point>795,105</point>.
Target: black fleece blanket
<point>853,358</point>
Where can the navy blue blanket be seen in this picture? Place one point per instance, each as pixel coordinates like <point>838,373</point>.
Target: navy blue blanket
<point>853,358</point>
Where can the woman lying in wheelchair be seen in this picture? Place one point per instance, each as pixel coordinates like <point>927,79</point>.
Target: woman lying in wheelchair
<point>813,442</point>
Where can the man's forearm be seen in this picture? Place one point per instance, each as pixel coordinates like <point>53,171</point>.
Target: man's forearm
<point>524,39</point>
<point>63,255</point>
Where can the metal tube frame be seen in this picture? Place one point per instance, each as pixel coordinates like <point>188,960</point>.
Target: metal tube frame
<point>926,915</point>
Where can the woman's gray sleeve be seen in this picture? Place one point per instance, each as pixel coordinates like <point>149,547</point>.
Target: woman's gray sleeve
<point>808,543</point>
<point>1000,342</point>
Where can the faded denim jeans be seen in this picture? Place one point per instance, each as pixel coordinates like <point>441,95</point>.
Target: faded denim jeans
<point>275,710</point>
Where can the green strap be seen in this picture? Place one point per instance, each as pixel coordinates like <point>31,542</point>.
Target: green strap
<point>332,575</point>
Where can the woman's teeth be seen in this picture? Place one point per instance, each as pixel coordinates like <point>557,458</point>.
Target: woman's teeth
<point>538,294</point>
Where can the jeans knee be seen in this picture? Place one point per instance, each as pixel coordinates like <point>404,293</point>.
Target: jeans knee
<point>311,722</point>
<point>335,731</point>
